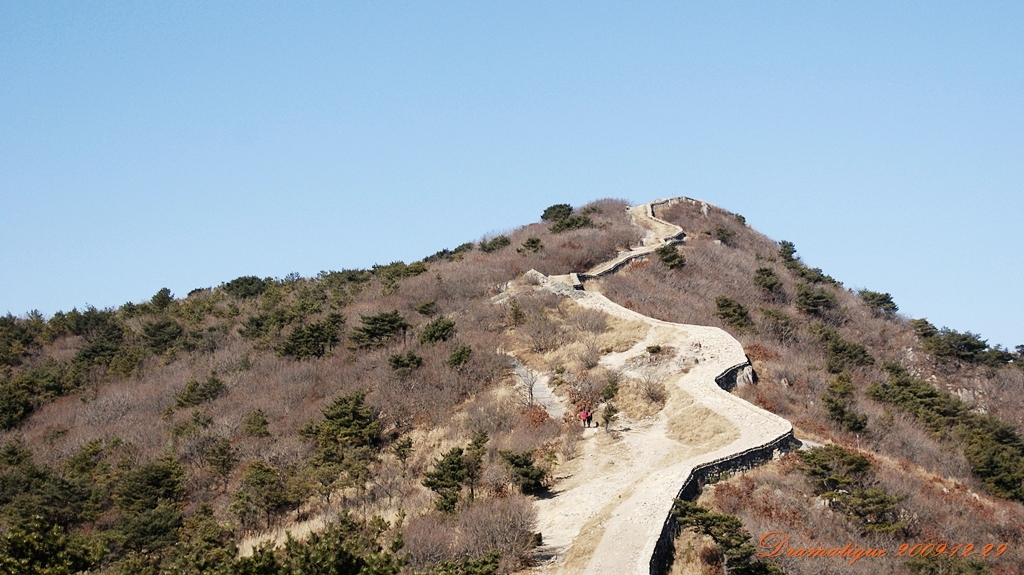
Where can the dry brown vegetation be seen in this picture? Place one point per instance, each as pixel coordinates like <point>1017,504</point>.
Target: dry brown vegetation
<point>790,360</point>
<point>437,403</point>
<point>131,403</point>
<point>790,363</point>
<point>778,497</point>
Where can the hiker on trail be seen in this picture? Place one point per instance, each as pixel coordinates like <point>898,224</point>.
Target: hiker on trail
<point>585,418</point>
<point>590,417</point>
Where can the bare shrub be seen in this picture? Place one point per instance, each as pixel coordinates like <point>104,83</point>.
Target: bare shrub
<point>492,412</point>
<point>711,556</point>
<point>543,332</point>
<point>531,435</point>
<point>496,478</point>
<point>590,354</point>
<point>585,392</point>
<point>588,320</point>
<point>538,302</point>
<point>429,540</point>
<point>391,481</point>
<point>653,388</point>
<point>570,441</point>
<point>109,408</point>
<point>506,524</point>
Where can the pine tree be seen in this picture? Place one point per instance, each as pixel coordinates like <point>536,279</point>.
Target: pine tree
<point>459,357</point>
<point>525,474</point>
<point>440,329</point>
<point>446,479</point>
<point>670,256</point>
<point>255,424</point>
<point>732,312</point>
<point>473,459</point>
<point>221,460</point>
<point>376,330</point>
<point>768,280</point>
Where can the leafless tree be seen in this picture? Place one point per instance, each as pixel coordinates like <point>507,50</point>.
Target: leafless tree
<point>527,383</point>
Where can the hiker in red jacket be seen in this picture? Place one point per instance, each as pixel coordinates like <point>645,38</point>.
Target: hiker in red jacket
<point>585,418</point>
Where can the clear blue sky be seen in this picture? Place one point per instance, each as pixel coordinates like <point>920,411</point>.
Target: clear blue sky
<point>183,144</point>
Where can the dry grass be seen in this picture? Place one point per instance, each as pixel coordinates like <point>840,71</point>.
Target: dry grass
<point>559,333</point>
<point>687,554</point>
<point>440,407</point>
<point>777,497</point>
<point>691,423</point>
<point>636,401</point>
<point>436,405</point>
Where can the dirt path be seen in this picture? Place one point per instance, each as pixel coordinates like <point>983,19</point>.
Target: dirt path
<point>609,504</point>
<point>659,233</point>
<point>541,393</point>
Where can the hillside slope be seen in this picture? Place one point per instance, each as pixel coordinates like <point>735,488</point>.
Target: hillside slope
<point>621,492</point>
<point>379,412</point>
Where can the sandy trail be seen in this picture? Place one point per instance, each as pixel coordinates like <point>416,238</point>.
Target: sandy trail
<point>659,233</point>
<point>608,504</point>
<point>543,395</point>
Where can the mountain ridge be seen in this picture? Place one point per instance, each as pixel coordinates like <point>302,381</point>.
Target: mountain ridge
<point>422,343</point>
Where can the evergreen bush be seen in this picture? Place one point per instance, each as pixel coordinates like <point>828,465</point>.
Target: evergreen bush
<point>440,329</point>
<point>525,474</point>
<point>162,334</point>
<point>427,308</point>
<point>255,424</point>
<point>494,244</point>
<point>670,256</point>
<point>841,353</point>
<point>313,340</point>
<point>162,299</point>
<point>732,541</point>
<point>376,330</point>
<point>556,213</point>
<point>446,479</point>
<point>460,355</point>
<point>149,485</point>
<point>768,280</point>
<point>837,401</point>
<point>531,245</point>
<point>245,287</point>
<point>404,363</point>
<point>198,392</point>
<point>844,479</point>
<point>732,312</point>
<point>880,303</point>
<point>571,223</point>
<point>814,301</point>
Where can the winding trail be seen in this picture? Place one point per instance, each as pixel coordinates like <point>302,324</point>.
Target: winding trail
<point>609,505</point>
<point>542,394</point>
